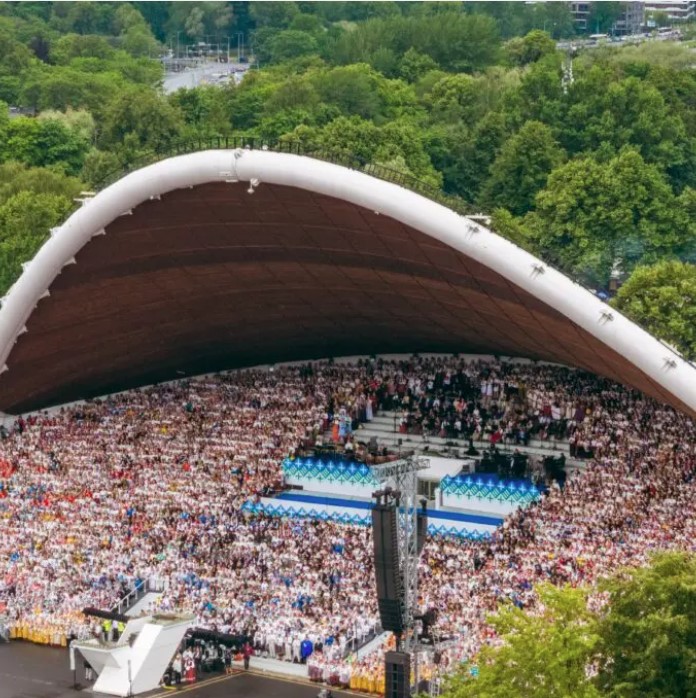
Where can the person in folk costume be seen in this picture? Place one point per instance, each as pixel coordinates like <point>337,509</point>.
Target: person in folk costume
<point>189,667</point>
<point>344,425</point>
<point>369,412</point>
<point>177,669</point>
<point>247,651</point>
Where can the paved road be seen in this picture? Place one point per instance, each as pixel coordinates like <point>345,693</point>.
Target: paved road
<point>195,76</point>
<point>33,671</point>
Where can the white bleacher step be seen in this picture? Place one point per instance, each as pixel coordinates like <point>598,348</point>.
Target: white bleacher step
<point>382,425</point>
<point>443,446</point>
<point>366,431</point>
<point>143,605</point>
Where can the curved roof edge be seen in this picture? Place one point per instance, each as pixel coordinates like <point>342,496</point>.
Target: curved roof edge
<point>659,362</point>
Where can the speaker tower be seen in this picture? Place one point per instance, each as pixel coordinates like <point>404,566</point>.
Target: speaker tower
<point>387,573</point>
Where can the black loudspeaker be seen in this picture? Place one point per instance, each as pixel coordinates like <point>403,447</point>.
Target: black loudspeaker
<point>397,668</point>
<point>422,528</point>
<point>387,575</point>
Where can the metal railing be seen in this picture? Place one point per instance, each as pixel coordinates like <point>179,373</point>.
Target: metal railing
<point>294,147</point>
<point>141,588</point>
<point>355,644</point>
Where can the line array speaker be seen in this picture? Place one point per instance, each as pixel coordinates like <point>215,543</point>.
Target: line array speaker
<point>421,529</point>
<point>387,574</point>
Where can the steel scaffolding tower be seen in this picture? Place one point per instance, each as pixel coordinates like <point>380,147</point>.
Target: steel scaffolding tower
<point>402,476</point>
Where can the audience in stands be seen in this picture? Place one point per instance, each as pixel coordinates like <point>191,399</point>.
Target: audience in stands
<point>150,483</point>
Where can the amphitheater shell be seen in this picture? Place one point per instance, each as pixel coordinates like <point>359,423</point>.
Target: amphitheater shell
<point>228,258</point>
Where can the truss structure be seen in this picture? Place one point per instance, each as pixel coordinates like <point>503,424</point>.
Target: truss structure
<point>402,475</point>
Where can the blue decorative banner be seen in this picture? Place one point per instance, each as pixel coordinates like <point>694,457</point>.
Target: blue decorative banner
<point>490,488</point>
<point>329,471</point>
<point>357,519</point>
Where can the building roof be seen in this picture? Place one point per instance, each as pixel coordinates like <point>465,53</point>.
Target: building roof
<point>177,269</point>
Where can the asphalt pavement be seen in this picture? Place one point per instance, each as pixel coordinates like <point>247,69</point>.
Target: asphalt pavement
<point>35,671</point>
<point>207,73</point>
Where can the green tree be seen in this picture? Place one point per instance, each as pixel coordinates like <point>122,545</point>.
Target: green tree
<point>539,96</point>
<point>594,217</point>
<point>529,48</point>
<point>139,42</point>
<point>98,166</point>
<point>629,112</point>
<point>603,15</point>
<point>354,89</point>
<point>307,23</point>
<point>41,142</point>
<point>16,177</point>
<point>398,142</point>
<point>414,65</point>
<point>14,56</point>
<point>289,44</point>
<point>662,299</point>
<point>554,17</point>
<point>194,26</point>
<point>276,15</point>
<point>127,17</point>
<point>544,654</point>
<point>464,155</point>
<point>25,221</point>
<point>511,228</point>
<point>511,17</point>
<point>150,122</point>
<point>80,121</point>
<point>454,99</point>
<point>73,46</point>
<point>649,633</point>
<point>658,19</point>
<point>84,17</point>
<point>455,41</point>
<point>205,110</point>
<point>522,168</point>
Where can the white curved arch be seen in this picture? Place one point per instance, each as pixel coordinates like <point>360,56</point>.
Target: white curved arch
<point>660,363</point>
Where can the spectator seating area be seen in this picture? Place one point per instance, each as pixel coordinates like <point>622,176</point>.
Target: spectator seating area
<point>153,483</point>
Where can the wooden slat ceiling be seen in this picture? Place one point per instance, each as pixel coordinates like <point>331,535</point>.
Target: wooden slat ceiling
<point>210,277</point>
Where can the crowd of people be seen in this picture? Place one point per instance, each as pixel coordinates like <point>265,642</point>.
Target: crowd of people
<point>499,403</point>
<point>150,483</point>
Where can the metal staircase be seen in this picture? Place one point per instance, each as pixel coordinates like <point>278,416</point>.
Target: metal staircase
<point>152,585</point>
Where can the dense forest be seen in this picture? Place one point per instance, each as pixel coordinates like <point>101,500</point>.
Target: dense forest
<point>596,174</point>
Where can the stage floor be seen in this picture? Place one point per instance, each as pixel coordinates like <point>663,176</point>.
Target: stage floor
<point>33,671</point>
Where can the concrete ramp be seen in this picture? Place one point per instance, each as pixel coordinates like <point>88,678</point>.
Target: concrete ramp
<point>136,663</point>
